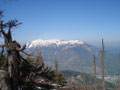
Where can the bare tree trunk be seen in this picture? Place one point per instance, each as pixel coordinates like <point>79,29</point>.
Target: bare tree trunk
<point>13,48</point>
<point>102,63</point>
<point>13,61</point>
<point>94,61</point>
<point>56,66</point>
<point>90,84</point>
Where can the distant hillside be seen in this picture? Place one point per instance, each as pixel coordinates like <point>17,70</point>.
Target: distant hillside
<point>82,78</point>
<point>112,63</point>
<point>69,73</point>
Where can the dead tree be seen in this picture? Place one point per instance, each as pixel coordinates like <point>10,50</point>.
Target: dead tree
<point>56,66</point>
<point>102,52</point>
<point>94,61</point>
<point>90,84</point>
<point>13,48</point>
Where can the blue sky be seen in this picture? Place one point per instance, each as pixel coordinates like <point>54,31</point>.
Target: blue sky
<point>86,20</point>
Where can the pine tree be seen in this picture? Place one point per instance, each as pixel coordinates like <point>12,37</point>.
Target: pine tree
<point>25,72</point>
<point>13,49</point>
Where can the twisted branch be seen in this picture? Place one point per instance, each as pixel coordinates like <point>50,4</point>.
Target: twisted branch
<point>21,49</point>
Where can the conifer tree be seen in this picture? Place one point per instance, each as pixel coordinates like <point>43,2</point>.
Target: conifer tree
<point>25,73</point>
<point>13,48</point>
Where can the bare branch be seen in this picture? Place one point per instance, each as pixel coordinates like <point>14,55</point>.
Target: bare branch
<point>10,24</point>
<point>9,31</point>
<point>24,59</point>
<point>28,54</point>
<point>21,49</point>
<point>1,14</point>
<point>13,23</point>
<point>1,27</point>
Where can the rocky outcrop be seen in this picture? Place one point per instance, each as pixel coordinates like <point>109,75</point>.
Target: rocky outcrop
<point>4,81</point>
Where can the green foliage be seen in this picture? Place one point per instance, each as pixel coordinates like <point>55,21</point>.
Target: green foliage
<point>109,85</point>
<point>32,73</point>
<point>59,78</point>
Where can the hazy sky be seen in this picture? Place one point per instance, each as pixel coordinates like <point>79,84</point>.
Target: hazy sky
<point>86,20</point>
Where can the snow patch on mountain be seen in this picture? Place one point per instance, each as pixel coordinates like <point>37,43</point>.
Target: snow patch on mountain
<point>41,43</point>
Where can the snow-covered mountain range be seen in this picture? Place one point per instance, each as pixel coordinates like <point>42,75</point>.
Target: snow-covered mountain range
<point>41,43</point>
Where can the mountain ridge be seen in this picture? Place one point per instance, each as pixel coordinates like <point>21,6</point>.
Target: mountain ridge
<point>56,42</point>
<point>73,54</point>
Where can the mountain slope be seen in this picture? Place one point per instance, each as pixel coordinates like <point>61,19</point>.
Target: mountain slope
<point>73,55</point>
<point>112,63</point>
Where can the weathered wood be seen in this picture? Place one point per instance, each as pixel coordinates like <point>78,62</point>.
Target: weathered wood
<point>13,48</point>
<point>4,81</point>
<point>94,61</point>
<point>102,63</point>
<point>13,65</point>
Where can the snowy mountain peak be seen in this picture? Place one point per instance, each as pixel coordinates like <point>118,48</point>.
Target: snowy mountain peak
<point>41,43</point>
